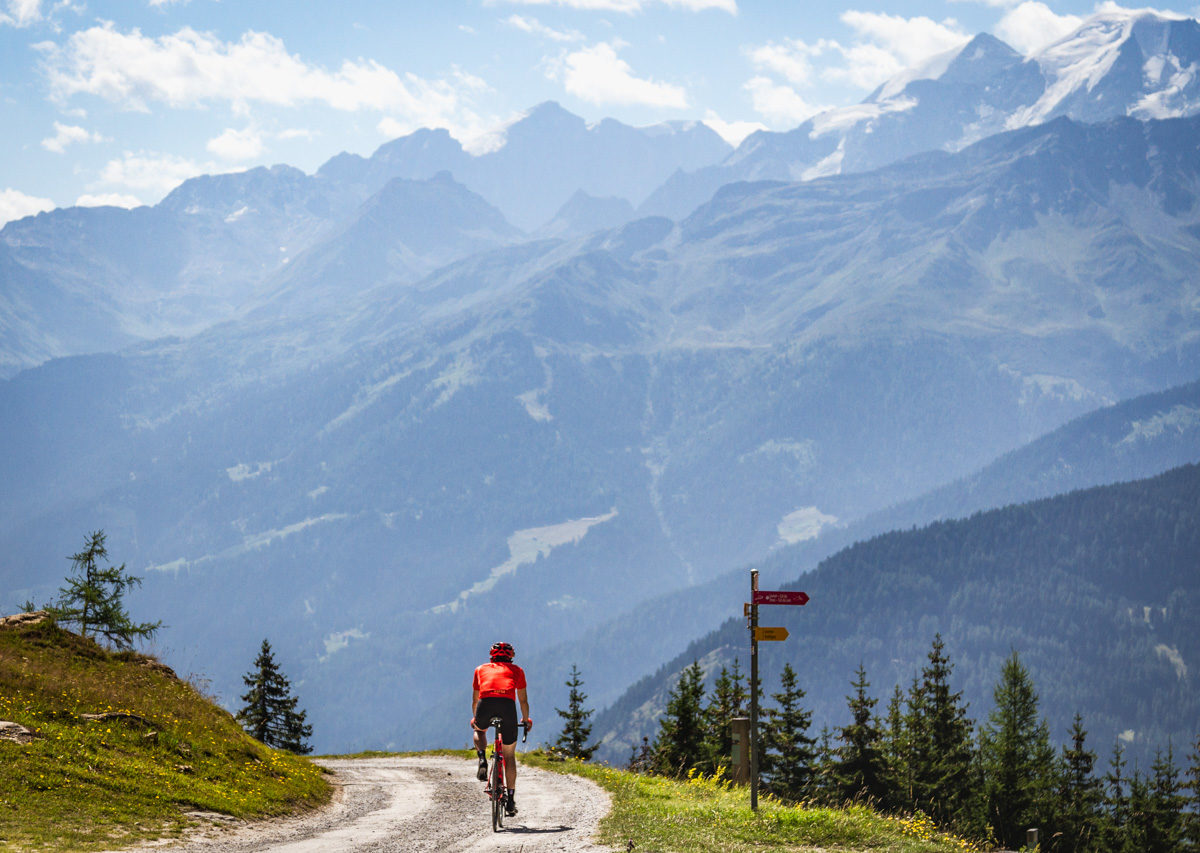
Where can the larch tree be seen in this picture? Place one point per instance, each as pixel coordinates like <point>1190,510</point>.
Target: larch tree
<point>93,597</point>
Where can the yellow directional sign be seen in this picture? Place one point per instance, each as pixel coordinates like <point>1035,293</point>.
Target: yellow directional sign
<point>762,633</point>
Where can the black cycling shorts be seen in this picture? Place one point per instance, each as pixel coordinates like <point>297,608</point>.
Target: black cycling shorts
<point>505,709</point>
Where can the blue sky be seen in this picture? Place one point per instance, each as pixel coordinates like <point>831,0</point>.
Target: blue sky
<point>118,102</point>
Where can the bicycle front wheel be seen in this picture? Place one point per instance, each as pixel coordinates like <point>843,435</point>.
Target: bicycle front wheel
<point>497,786</point>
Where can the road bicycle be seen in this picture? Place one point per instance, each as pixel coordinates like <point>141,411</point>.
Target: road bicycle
<point>495,779</point>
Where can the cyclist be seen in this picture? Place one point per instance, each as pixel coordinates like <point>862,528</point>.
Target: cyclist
<point>495,690</point>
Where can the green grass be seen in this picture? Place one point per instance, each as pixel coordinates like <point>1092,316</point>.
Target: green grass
<point>90,785</point>
<point>707,816</point>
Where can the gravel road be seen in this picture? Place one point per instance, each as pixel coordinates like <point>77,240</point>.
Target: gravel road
<point>420,804</point>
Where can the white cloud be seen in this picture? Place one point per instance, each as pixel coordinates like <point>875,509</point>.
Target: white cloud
<point>909,40</point>
<point>732,132</point>
<point>729,6</point>
<point>865,66</point>
<point>883,47</point>
<point>236,145</point>
<point>154,173</point>
<point>629,7</point>
<point>598,75</point>
<point>792,60</point>
<point>781,105</point>
<point>108,200</point>
<point>67,134</point>
<point>535,27</point>
<point>1032,25</point>
<point>192,69</point>
<point>21,13</point>
<point>995,4</point>
<point>297,133</point>
<point>1111,6</point>
<point>14,204</point>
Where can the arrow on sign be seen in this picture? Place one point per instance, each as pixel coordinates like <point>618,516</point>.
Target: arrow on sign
<point>779,596</point>
<point>762,633</point>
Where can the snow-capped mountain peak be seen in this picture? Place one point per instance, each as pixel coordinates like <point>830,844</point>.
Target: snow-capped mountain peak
<point>1117,63</point>
<point>1140,63</point>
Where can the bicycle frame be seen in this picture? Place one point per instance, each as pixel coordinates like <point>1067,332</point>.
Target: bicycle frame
<point>496,774</point>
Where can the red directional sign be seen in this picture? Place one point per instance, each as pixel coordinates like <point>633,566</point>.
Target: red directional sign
<point>779,596</point>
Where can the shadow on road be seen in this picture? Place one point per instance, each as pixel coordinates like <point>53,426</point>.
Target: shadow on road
<point>529,830</point>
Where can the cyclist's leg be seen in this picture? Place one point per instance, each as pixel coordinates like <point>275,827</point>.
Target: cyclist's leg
<point>509,731</point>
<point>483,713</point>
<point>510,765</point>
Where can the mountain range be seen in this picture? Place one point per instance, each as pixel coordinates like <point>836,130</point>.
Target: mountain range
<point>1139,64</point>
<point>83,280</point>
<point>369,412</point>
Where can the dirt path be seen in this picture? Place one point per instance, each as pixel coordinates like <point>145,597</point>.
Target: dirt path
<point>421,804</point>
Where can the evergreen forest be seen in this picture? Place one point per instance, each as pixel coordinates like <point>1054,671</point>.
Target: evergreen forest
<point>1096,591</point>
<point>991,780</point>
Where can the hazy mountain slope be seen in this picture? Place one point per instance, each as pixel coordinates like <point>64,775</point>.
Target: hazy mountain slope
<point>583,214</point>
<point>95,279</point>
<point>1096,590</point>
<point>1131,440</point>
<point>550,154</point>
<point>402,233</point>
<point>82,280</point>
<point>542,160</point>
<point>563,430</point>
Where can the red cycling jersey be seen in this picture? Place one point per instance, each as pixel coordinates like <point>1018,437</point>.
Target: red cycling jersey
<point>498,679</point>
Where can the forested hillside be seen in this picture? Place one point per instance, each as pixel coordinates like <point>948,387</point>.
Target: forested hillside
<point>1097,591</point>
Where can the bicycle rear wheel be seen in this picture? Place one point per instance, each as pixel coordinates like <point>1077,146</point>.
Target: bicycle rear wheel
<point>497,786</point>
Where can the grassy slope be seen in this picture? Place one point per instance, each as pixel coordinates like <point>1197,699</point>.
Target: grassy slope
<point>706,816</point>
<point>87,785</point>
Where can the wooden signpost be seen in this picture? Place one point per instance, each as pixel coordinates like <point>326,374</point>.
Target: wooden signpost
<point>766,634</point>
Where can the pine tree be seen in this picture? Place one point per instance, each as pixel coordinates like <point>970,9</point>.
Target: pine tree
<point>788,750</point>
<point>576,728</point>
<point>1191,833</point>
<point>1116,805</point>
<point>727,702</point>
<point>679,745</point>
<point>1164,823</point>
<point>270,714</point>
<point>93,597</point>
<point>940,748</point>
<point>1080,795</point>
<point>896,754</point>
<point>1135,834</point>
<point>1016,757</point>
<point>859,764</point>
<point>823,788</point>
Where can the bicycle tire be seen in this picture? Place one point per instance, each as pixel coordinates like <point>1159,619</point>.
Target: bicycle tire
<point>497,787</point>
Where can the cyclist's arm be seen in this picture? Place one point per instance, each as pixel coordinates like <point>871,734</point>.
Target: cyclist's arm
<point>474,703</point>
<point>523,698</point>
